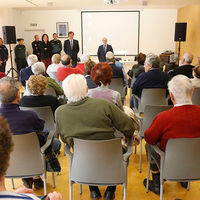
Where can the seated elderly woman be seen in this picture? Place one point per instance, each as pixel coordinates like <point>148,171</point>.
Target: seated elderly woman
<point>56,58</point>
<point>87,71</point>
<point>196,75</point>
<point>84,58</point>
<point>101,75</point>
<point>37,84</point>
<point>39,68</point>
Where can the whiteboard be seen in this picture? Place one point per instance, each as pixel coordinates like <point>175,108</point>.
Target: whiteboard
<point>121,28</point>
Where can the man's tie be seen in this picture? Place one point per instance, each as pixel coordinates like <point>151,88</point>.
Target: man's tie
<point>71,44</point>
<point>104,48</point>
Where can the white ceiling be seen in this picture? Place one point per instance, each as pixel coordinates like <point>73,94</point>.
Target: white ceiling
<point>94,4</point>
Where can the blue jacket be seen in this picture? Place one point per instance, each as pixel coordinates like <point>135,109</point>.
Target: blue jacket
<point>90,83</point>
<point>152,79</point>
<point>24,75</point>
<point>102,54</point>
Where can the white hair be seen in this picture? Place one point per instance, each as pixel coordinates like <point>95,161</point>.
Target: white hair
<point>32,59</point>
<point>152,59</point>
<point>84,58</point>
<point>188,57</point>
<point>38,68</point>
<point>75,87</point>
<point>173,58</point>
<point>181,88</point>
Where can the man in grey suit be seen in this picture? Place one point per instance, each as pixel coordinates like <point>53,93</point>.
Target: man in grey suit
<point>103,49</point>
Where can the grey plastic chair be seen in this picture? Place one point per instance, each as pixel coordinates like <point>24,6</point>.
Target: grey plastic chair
<point>27,159</point>
<point>50,91</point>
<point>117,84</point>
<point>44,113</point>
<point>196,97</point>
<point>98,162</point>
<point>180,162</point>
<point>151,96</point>
<point>150,113</point>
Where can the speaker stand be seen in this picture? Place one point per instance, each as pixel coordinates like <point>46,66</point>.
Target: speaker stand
<point>12,69</point>
<point>179,51</point>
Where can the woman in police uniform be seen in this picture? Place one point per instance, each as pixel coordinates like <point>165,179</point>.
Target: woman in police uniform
<point>20,55</point>
<point>3,56</point>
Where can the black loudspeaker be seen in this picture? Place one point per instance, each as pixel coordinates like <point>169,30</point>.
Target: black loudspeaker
<point>180,32</point>
<point>9,34</point>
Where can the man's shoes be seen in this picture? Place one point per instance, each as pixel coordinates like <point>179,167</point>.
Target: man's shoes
<point>154,185</point>
<point>184,184</point>
<point>38,183</point>
<point>95,194</point>
<point>109,195</point>
<point>28,182</point>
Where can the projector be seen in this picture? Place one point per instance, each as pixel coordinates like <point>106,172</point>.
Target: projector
<point>108,2</point>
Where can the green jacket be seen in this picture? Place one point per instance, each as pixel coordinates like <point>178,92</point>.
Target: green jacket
<point>92,119</point>
<point>53,84</point>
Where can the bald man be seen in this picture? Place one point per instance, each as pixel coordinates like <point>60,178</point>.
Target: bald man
<point>103,49</point>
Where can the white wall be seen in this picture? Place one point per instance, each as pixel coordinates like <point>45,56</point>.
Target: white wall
<point>156,26</point>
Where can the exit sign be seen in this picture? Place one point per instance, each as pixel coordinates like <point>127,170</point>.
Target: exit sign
<point>33,24</point>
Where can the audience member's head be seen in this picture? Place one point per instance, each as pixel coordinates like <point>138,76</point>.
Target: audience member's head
<point>180,89</point>
<point>38,68</point>
<point>152,62</point>
<point>45,38</point>
<point>56,58</point>
<point>101,74</point>
<point>141,58</point>
<point>110,58</point>
<point>196,71</point>
<point>187,58</point>
<point>6,146</point>
<point>32,59</point>
<point>88,67</point>
<point>65,60</point>
<point>9,90</point>
<point>104,40</point>
<point>75,87</point>
<point>84,58</point>
<point>37,84</point>
<point>2,74</point>
<point>173,59</point>
<point>36,38</point>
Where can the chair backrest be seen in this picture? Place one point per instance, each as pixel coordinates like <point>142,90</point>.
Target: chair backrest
<point>98,162</point>
<point>196,97</point>
<point>50,91</point>
<point>152,96</point>
<point>44,113</point>
<point>26,158</point>
<point>117,84</point>
<point>150,113</point>
<point>182,159</point>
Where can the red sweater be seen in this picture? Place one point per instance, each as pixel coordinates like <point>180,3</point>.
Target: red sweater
<point>63,72</point>
<point>178,122</point>
<point>81,67</point>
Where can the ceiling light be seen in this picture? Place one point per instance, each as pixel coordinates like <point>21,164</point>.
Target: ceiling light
<point>108,2</point>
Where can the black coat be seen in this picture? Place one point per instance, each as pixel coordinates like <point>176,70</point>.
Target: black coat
<point>37,48</point>
<point>184,70</point>
<point>72,52</point>
<point>46,50</point>
<point>102,54</point>
<point>3,53</point>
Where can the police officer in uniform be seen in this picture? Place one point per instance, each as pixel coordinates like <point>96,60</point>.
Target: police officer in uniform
<point>56,44</point>
<point>36,45</point>
<point>20,55</point>
<point>3,56</point>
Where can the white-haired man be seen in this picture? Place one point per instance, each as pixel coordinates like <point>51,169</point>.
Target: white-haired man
<point>103,49</point>
<point>99,123</point>
<point>25,73</point>
<point>186,67</point>
<point>182,121</point>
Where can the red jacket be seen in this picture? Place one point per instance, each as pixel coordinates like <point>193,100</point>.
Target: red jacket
<point>178,122</point>
<point>2,75</point>
<point>63,72</point>
<point>81,67</point>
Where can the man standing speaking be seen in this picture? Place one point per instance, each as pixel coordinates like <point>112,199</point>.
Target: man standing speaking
<point>103,49</point>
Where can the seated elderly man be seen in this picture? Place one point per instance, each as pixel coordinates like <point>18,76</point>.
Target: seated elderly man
<point>98,124</point>
<point>6,146</point>
<point>23,122</point>
<point>182,121</point>
<point>186,67</point>
<point>153,77</point>
<point>118,72</point>
<point>67,68</point>
<point>25,73</point>
<point>52,68</point>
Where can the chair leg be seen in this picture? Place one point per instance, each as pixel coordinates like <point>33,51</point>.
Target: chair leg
<point>148,174</point>
<point>80,188</point>
<point>53,179</point>
<point>188,186</point>
<point>124,193</point>
<point>140,170</point>
<point>45,183</point>
<point>12,182</point>
<point>161,190</point>
<point>70,190</point>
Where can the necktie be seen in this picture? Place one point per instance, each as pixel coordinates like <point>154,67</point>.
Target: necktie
<point>105,48</point>
<point>71,44</point>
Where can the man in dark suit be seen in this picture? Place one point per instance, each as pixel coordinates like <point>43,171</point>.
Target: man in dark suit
<point>186,68</point>
<point>71,47</point>
<point>153,77</point>
<point>103,49</point>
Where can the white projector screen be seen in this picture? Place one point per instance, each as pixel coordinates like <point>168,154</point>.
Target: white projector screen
<point>120,27</point>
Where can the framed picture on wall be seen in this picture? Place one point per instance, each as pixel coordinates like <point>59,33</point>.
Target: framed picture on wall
<point>62,29</point>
